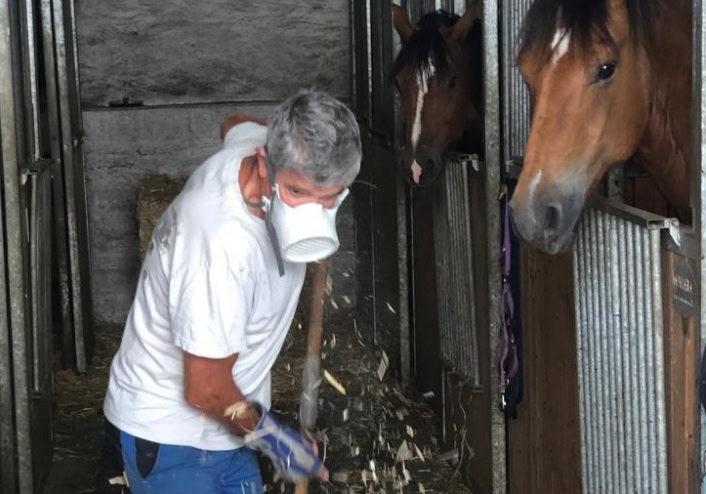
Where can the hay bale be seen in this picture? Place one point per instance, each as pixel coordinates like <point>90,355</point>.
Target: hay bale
<point>154,195</point>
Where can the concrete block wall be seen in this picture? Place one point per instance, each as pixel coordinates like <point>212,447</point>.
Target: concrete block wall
<point>190,64</point>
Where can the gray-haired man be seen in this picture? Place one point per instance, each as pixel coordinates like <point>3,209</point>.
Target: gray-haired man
<point>189,387</point>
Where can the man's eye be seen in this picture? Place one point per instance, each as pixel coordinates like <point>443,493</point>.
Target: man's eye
<point>295,191</point>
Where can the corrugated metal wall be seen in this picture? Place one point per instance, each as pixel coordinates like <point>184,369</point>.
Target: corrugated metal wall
<point>456,279</point>
<point>516,102</point>
<point>618,286</point>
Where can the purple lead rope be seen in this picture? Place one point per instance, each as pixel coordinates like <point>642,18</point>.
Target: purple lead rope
<point>507,355</point>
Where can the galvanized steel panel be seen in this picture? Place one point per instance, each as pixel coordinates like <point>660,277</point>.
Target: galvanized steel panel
<point>698,190</point>
<point>382,119</point>
<point>453,246</point>
<point>41,258</point>
<point>516,102</point>
<point>74,179</point>
<point>7,447</point>
<point>54,132</point>
<point>361,59</point>
<point>617,282</point>
<point>11,205</point>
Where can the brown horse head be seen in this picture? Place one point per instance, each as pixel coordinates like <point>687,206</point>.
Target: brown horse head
<point>438,75</point>
<point>598,97</point>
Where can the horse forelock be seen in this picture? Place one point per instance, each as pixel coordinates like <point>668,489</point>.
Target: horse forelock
<point>426,45</point>
<point>582,20</point>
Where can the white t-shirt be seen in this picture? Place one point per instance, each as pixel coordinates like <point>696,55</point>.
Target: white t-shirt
<point>209,286</point>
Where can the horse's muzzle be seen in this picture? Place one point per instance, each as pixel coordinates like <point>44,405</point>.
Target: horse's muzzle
<point>421,169</point>
<point>546,219</point>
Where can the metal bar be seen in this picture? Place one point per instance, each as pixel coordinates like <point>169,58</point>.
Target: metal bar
<point>581,346</point>
<point>354,56</point>
<point>642,218</point>
<point>592,414</point>
<point>70,185</point>
<point>631,243</point>
<point>8,481</point>
<point>452,299</point>
<point>698,199</point>
<point>34,300</point>
<point>60,229</point>
<point>599,439</point>
<point>402,268</point>
<point>516,102</point>
<point>649,353</point>
<point>612,246</point>
<point>626,347</point>
<point>31,84</point>
<point>491,72</point>
<point>606,358</point>
<point>41,277</point>
<point>642,360</point>
<point>658,333</point>
<point>473,315</point>
<point>369,60</point>
<point>81,194</point>
<point>13,238</point>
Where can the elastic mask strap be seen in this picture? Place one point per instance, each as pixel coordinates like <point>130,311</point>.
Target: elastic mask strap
<point>271,232</point>
<point>275,243</point>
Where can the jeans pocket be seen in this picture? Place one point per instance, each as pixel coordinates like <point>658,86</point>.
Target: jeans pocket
<point>145,456</point>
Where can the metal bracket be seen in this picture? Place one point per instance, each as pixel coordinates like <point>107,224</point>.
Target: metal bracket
<point>512,168</point>
<point>467,159</point>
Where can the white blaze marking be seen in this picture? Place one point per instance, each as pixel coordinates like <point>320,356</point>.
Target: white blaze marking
<point>416,171</point>
<point>423,77</point>
<point>560,44</point>
<point>532,189</point>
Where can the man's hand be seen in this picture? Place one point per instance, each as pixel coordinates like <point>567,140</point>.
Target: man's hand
<point>294,457</point>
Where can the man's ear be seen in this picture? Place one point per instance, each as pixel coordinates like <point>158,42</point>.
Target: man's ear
<point>261,155</point>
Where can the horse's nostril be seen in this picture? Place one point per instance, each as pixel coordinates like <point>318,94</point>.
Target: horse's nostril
<point>552,220</point>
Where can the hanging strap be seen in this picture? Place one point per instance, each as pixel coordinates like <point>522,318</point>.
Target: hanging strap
<point>507,364</point>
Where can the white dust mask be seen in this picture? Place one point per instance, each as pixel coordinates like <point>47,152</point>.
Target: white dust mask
<point>303,233</point>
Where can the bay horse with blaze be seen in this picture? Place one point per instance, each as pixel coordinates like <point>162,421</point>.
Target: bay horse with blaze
<point>608,80</point>
<point>438,73</point>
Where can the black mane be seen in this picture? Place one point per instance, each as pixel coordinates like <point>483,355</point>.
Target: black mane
<point>583,18</point>
<point>426,42</point>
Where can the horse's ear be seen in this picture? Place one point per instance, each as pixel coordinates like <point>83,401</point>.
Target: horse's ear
<point>400,20</point>
<point>464,24</point>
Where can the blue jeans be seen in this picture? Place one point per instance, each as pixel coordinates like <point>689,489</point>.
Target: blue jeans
<point>167,469</point>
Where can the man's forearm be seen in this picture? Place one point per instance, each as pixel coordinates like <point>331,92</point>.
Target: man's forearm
<point>209,386</point>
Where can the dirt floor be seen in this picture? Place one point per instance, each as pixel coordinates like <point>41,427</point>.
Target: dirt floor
<point>377,438</point>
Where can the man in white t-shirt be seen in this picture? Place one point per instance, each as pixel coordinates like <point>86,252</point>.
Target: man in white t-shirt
<point>189,390</point>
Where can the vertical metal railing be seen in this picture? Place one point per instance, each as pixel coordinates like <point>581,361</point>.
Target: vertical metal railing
<point>453,247</point>
<point>516,101</point>
<point>620,351</point>
<point>14,269</point>
<point>698,201</point>
<point>492,154</point>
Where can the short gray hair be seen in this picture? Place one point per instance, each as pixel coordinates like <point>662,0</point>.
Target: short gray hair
<point>316,135</point>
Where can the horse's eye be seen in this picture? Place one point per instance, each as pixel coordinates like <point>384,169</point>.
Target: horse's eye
<point>605,71</point>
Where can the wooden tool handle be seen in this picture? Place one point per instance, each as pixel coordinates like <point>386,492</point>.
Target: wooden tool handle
<point>313,350</point>
<point>302,487</point>
<point>316,312</point>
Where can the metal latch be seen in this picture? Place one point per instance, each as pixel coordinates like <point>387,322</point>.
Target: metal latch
<point>470,159</point>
